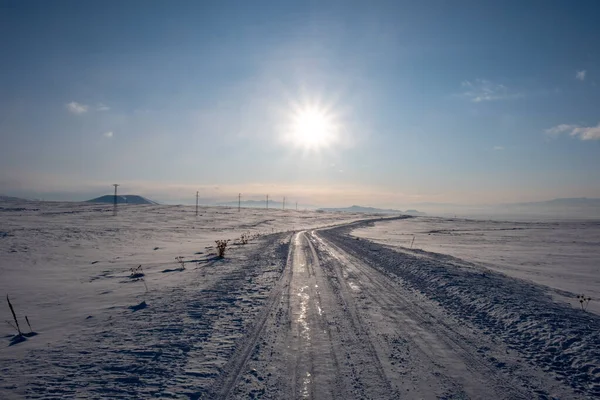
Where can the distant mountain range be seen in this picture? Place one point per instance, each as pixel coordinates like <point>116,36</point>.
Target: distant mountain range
<point>579,207</point>
<point>574,207</point>
<point>122,199</point>
<point>569,202</point>
<point>562,207</point>
<point>371,210</point>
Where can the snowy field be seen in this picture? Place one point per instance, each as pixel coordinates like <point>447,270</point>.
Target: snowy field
<point>561,255</point>
<point>67,266</point>
<point>302,309</point>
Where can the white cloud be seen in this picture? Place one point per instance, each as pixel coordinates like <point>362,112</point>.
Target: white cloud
<point>102,107</point>
<point>498,148</point>
<point>77,108</point>
<point>581,132</point>
<point>108,134</point>
<point>580,75</point>
<point>483,90</point>
<point>558,129</point>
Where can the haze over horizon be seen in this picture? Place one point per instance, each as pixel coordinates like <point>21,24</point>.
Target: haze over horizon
<point>382,104</point>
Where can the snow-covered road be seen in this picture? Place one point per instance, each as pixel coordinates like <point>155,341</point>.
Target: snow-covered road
<point>315,343</point>
<point>343,330</point>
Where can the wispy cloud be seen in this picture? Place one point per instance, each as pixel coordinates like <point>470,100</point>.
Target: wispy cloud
<point>483,90</point>
<point>580,75</point>
<point>498,148</point>
<point>581,132</point>
<point>77,108</point>
<point>108,134</point>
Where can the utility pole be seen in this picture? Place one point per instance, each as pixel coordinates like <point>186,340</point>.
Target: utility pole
<point>239,201</point>
<point>284,204</point>
<point>267,202</point>
<point>196,204</point>
<point>115,199</point>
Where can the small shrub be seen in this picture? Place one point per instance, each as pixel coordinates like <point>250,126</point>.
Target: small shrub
<point>245,238</point>
<point>138,274</point>
<point>181,262</point>
<point>584,302</point>
<point>221,246</point>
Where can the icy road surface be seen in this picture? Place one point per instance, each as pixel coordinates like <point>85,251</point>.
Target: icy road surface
<point>348,326</point>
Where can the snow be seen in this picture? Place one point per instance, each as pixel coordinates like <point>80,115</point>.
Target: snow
<point>563,256</point>
<point>303,310</point>
<point>560,339</point>
<point>67,265</point>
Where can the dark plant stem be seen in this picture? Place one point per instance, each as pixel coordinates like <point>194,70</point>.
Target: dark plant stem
<point>28,324</point>
<point>14,315</point>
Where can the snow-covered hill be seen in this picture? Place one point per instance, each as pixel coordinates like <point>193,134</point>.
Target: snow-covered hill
<point>122,199</point>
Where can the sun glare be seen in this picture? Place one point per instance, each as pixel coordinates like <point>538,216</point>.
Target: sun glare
<point>312,128</point>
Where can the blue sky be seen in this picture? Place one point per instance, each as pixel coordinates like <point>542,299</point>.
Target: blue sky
<point>463,102</point>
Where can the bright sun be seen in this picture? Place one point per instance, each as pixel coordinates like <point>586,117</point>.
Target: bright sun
<point>312,128</point>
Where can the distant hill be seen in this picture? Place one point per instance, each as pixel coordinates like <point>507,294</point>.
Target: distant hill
<point>10,198</point>
<point>122,199</point>
<point>360,209</point>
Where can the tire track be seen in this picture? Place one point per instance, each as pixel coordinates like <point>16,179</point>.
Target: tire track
<point>355,320</point>
<point>233,370</point>
<point>320,349</point>
<point>430,328</point>
<point>507,381</point>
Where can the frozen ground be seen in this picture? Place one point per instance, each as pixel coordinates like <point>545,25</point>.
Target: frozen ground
<point>66,266</point>
<point>301,311</point>
<point>562,255</point>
